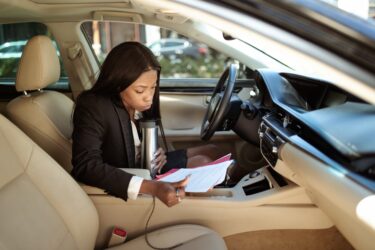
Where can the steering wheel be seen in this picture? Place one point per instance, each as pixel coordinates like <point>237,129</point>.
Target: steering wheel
<point>219,104</point>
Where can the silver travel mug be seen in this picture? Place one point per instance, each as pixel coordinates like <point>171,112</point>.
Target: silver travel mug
<point>149,144</point>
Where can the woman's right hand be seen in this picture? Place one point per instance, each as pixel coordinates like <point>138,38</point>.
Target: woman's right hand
<point>170,193</point>
<point>160,159</point>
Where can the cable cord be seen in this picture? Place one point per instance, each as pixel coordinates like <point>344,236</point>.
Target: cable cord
<point>146,231</point>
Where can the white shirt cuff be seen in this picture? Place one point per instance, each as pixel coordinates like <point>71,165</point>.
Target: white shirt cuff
<point>134,187</point>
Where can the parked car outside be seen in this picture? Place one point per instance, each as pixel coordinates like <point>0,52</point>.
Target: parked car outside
<point>178,46</point>
<point>10,54</point>
<point>12,49</point>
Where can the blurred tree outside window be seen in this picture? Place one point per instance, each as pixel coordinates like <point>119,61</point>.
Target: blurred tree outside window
<point>179,56</point>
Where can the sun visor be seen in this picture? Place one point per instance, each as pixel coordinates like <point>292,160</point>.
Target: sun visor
<point>117,16</point>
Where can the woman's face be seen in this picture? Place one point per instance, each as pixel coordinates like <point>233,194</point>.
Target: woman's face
<point>139,95</point>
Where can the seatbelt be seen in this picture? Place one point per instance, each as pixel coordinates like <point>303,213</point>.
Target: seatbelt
<point>81,65</point>
<point>118,237</point>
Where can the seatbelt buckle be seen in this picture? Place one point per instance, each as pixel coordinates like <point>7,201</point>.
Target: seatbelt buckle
<point>118,237</point>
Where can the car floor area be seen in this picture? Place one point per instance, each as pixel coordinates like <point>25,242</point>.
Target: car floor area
<point>323,239</point>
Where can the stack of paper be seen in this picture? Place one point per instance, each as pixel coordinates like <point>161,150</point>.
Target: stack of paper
<point>201,178</point>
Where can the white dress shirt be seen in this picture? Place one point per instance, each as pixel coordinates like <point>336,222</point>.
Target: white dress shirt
<point>136,181</point>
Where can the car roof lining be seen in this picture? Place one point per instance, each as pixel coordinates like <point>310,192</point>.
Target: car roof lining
<point>60,11</point>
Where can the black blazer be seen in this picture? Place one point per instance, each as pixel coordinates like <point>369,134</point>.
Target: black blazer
<point>102,143</point>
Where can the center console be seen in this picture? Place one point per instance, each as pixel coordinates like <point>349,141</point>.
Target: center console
<point>228,210</point>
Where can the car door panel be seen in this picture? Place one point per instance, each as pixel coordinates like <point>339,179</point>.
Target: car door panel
<point>183,112</point>
<point>183,104</point>
<point>182,116</point>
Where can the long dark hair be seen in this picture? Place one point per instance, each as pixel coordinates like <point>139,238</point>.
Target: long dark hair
<point>122,66</point>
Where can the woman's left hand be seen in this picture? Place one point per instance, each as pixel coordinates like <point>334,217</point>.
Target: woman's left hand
<point>159,159</point>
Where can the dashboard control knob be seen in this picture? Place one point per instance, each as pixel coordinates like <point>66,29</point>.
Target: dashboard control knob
<point>254,174</point>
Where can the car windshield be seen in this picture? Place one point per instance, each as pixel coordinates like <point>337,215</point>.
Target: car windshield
<point>275,58</point>
<point>264,53</point>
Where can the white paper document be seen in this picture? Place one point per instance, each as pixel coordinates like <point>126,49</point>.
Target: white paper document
<point>201,178</point>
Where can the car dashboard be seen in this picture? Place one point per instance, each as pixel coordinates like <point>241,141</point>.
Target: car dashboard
<point>319,119</point>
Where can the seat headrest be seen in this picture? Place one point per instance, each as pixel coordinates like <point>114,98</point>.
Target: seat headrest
<point>39,65</point>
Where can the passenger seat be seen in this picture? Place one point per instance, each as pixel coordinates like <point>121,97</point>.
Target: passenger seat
<point>42,207</point>
<point>45,116</point>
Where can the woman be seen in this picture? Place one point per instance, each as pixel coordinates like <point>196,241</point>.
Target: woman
<point>105,136</point>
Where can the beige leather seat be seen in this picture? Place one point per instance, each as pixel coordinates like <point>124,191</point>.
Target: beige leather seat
<point>42,207</point>
<point>45,116</point>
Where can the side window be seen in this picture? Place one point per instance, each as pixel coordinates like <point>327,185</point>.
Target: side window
<point>179,56</point>
<point>13,38</point>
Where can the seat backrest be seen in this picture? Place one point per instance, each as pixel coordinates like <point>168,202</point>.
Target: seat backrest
<point>41,206</point>
<point>45,116</point>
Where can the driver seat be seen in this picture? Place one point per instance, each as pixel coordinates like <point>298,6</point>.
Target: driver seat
<point>43,115</point>
<point>42,207</point>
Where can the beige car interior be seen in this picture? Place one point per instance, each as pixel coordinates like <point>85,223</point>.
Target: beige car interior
<point>43,115</point>
<point>301,203</point>
<point>44,205</point>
